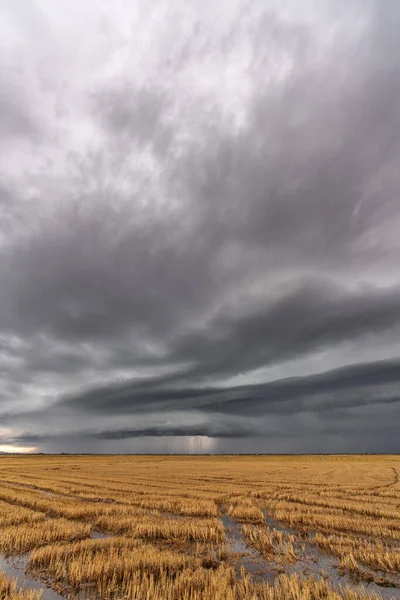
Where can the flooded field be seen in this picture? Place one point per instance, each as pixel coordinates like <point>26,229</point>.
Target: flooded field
<point>225,528</point>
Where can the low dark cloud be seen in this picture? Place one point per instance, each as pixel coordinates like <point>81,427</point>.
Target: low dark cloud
<point>199,227</point>
<point>347,387</point>
<point>205,430</point>
<point>349,401</point>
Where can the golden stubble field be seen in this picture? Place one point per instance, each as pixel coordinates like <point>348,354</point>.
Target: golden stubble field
<point>199,527</point>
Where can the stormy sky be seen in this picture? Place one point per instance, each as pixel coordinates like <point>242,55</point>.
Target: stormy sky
<point>200,226</point>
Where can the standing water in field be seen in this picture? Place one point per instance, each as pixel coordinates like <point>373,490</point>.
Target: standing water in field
<point>314,562</point>
<point>99,535</point>
<point>248,559</point>
<point>15,569</point>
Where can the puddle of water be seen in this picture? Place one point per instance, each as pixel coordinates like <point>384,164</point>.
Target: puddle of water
<point>99,535</point>
<point>16,570</point>
<point>253,562</point>
<point>319,561</point>
<point>315,562</point>
<point>275,524</point>
<point>233,533</point>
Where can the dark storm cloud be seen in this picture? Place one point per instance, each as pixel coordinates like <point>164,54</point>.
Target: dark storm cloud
<point>209,430</point>
<point>311,317</point>
<point>207,231</point>
<point>206,429</point>
<point>80,282</point>
<point>327,403</point>
<point>350,386</point>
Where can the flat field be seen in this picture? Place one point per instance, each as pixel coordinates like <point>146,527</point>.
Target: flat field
<point>199,527</point>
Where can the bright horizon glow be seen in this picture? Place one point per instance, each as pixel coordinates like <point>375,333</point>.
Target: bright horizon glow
<point>17,449</point>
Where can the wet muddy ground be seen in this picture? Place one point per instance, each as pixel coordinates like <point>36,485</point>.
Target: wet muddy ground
<point>15,568</point>
<point>311,562</point>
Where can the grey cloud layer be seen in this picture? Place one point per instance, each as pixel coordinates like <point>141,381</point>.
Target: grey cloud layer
<point>195,220</point>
